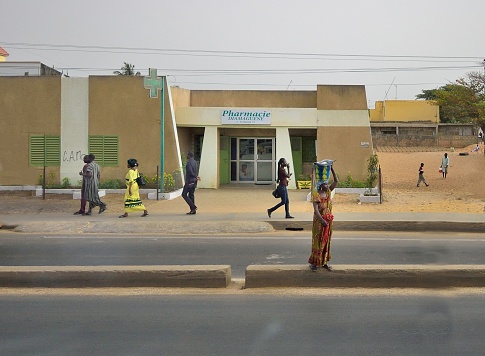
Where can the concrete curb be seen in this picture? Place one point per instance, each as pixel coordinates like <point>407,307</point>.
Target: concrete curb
<point>196,276</point>
<point>366,276</point>
<point>411,226</point>
<point>257,276</point>
<point>235,227</point>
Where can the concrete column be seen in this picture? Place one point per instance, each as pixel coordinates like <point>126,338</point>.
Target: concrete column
<point>209,160</point>
<point>283,149</point>
<point>74,126</point>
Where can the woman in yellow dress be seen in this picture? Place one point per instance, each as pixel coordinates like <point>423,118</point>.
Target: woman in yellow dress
<point>322,225</point>
<point>132,194</point>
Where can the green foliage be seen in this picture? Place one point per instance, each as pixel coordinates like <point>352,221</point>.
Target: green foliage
<point>65,183</point>
<point>372,171</point>
<point>127,69</point>
<point>305,177</point>
<point>350,182</point>
<point>50,181</point>
<point>462,101</point>
<point>169,183</point>
<point>112,184</point>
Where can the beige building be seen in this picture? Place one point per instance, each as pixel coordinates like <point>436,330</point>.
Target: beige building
<point>237,136</point>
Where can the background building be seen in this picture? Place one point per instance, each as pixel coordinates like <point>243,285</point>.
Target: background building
<point>237,136</point>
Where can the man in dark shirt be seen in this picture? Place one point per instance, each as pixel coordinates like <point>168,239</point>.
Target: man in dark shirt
<point>191,179</point>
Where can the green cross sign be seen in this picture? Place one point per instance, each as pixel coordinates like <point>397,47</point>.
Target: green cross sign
<point>153,83</point>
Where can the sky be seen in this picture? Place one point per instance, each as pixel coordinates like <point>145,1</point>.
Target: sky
<point>395,48</point>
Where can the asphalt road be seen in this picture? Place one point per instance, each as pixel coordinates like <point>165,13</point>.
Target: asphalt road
<point>323,324</point>
<point>239,252</point>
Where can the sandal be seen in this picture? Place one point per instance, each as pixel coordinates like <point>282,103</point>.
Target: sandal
<point>123,216</point>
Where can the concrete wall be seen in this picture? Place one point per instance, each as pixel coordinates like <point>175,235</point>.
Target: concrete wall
<point>28,105</point>
<point>341,97</point>
<point>343,132</point>
<point>253,99</point>
<point>405,111</point>
<point>74,126</point>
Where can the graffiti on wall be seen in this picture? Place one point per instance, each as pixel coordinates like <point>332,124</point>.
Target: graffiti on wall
<point>72,156</point>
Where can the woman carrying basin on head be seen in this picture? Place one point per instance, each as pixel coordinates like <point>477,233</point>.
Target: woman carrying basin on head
<point>322,223</point>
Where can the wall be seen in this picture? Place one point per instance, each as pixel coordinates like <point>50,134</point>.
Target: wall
<point>74,126</point>
<point>253,99</point>
<point>28,105</point>
<point>343,132</point>
<point>405,111</point>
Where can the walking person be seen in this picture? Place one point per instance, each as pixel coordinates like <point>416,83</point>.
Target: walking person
<point>283,177</point>
<point>92,176</point>
<point>191,178</point>
<point>82,209</point>
<point>132,194</point>
<point>322,225</point>
<point>445,163</point>
<point>421,175</point>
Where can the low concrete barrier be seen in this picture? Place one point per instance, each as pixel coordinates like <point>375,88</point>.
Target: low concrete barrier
<point>411,226</point>
<point>366,276</point>
<point>185,276</point>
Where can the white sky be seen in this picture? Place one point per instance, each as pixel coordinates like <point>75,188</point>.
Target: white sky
<point>255,44</point>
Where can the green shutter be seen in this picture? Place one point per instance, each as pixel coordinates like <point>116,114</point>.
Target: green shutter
<point>105,148</point>
<point>44,149</point>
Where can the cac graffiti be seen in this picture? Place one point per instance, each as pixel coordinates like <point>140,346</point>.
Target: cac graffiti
<point>72,156</point>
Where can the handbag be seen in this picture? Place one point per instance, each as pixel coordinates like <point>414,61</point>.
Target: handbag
<point>140,180</point>
<point>276,193</point>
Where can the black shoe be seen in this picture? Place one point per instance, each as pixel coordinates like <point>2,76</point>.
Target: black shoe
<point>289,217</point>
<point>79,213</point>
<point>427,185</point>
<point>102,208</point>
<point>327,267</point>
<point>192,212</point>
<point>269,213</point>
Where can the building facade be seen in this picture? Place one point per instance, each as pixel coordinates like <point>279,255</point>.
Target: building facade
<point>237,136</point>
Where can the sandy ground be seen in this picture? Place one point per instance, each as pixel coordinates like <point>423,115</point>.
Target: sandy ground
<point>462,191</point>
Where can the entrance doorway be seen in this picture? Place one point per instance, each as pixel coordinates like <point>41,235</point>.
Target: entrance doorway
<point>252,160</point>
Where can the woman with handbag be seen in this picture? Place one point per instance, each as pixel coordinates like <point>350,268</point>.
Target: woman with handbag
<point>283,177</point>
<point>132,194</point>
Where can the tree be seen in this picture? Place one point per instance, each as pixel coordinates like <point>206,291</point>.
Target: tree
<point>462,101</point>
<point>127,69</point>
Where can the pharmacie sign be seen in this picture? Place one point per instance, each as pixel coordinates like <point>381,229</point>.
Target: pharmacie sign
<point>246,117</point>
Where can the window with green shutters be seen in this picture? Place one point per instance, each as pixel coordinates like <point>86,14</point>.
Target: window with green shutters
<point>105,148</point>
<point>44,150</point>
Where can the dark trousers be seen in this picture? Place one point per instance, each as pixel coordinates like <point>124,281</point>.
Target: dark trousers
<point>83,200</point>
<point>188,195</point>
<point>284,200</point>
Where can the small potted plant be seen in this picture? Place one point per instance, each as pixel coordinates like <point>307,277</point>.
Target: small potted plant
<point>304,181</point>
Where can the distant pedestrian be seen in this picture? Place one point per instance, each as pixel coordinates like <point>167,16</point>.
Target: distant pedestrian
<point>132,193</point>
<point>421,175</point>
<point>283,177</point>
<point>82,209</point>
<point>191,178</point>
<point>93,176</point>
<point>445,163</point>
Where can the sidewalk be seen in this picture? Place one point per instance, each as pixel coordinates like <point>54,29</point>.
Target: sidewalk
<point>230,210</point>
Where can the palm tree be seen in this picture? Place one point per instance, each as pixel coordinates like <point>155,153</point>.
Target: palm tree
<point>127,69</point>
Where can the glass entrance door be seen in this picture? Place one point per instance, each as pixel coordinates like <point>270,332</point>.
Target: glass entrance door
<point>252,160</point>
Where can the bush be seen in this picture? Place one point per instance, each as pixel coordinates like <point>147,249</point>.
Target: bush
<point>169,183</point>
<point>351,183</point>
<point>112,184</point>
